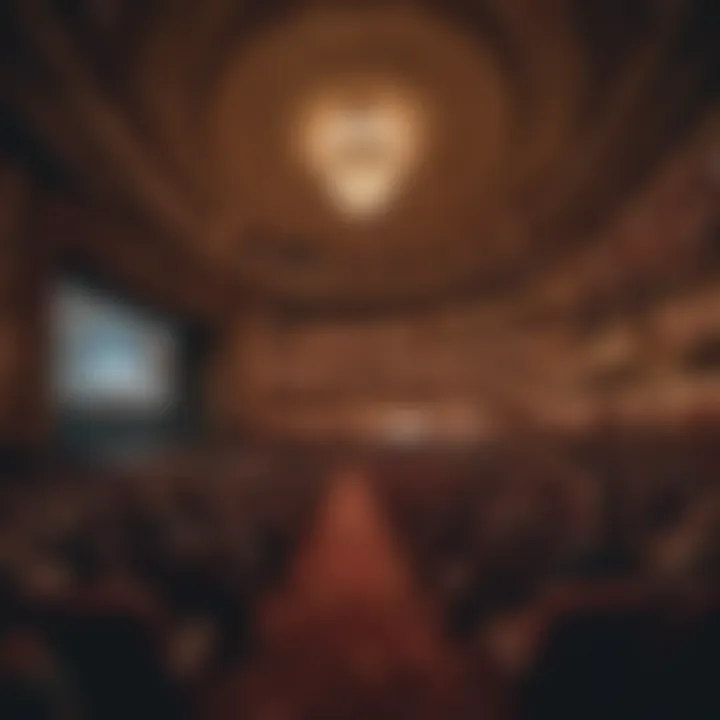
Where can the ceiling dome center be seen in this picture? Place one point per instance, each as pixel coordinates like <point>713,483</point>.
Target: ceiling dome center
<point>360,140</point>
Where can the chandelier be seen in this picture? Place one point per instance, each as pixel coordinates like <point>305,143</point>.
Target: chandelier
<point>361,142</point>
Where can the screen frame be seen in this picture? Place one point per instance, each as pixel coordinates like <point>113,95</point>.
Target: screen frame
<point>87,431</point>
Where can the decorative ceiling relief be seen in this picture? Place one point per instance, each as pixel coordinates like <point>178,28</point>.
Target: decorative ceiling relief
<point>509,207</point>
<point>478,144</point>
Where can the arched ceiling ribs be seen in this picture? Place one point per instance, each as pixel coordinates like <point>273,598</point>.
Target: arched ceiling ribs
<point>570,108</point>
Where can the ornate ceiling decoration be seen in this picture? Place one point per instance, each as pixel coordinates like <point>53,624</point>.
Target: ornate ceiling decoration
<point>461,93</point>
<point>544,119</point>
<point>492,213</point>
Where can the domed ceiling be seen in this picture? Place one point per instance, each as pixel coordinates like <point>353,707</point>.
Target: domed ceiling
<point>503,208</point>
<point>525,126</point>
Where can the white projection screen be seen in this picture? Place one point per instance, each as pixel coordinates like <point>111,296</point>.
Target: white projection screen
<point>110,358</point>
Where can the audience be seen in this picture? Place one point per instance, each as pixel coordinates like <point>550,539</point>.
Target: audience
<point>142,596</point>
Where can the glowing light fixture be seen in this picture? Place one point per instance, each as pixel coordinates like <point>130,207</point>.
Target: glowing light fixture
<point>362,141</point>
<point>405,425</point>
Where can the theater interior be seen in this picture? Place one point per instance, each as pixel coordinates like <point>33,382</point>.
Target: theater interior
<point>359,360</point>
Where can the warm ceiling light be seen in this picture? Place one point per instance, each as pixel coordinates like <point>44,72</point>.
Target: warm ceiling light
<point>361,143</point>
<point>405,425</point>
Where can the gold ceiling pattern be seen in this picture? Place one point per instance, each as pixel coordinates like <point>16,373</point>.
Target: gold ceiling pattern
<point>549,116</point>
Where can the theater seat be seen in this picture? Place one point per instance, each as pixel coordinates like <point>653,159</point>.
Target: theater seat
<point>115,666</point>
<point>23,700</point>
<point>694,677</point>
<point>598,664</point>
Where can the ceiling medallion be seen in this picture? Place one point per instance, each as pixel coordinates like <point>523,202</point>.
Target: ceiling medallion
<point>361,141</point>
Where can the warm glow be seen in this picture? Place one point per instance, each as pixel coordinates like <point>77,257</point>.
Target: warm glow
<point>406,425</point>
<point>361,143</point>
